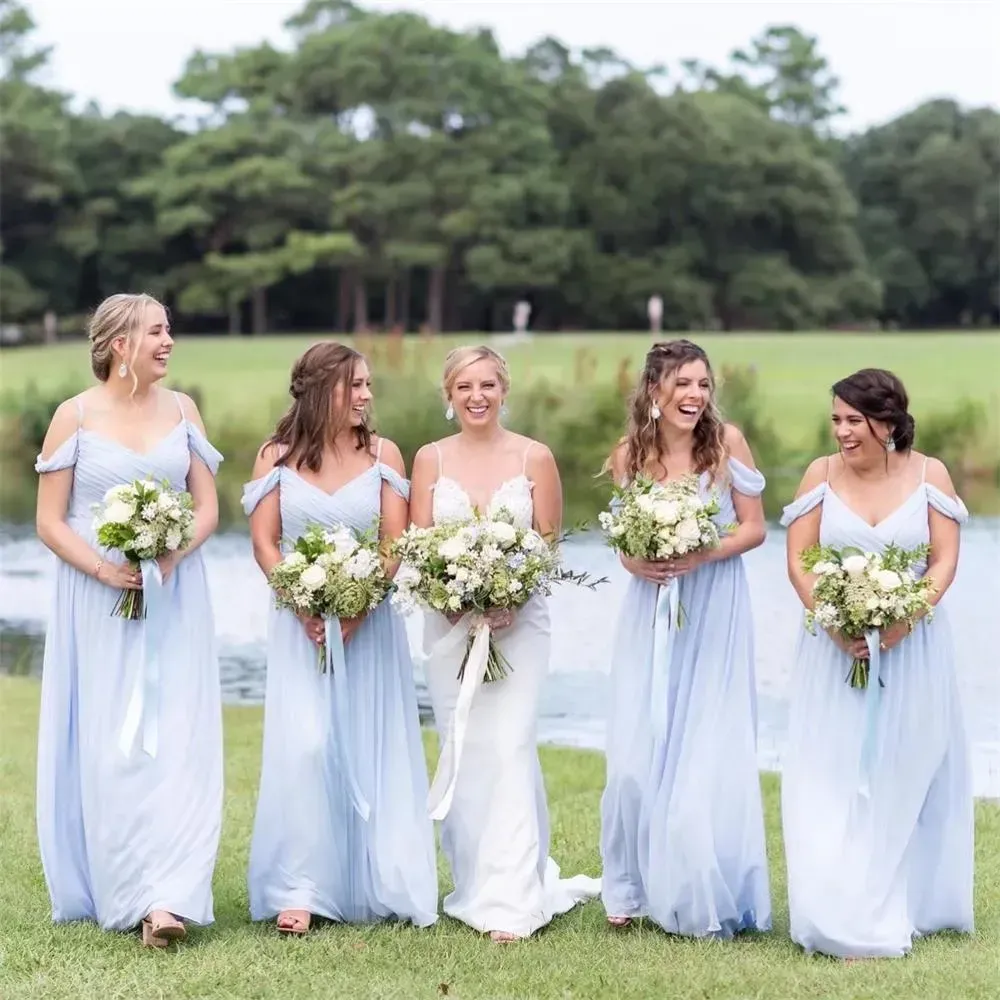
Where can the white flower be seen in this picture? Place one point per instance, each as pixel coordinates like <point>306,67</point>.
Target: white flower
<point>688,530</point>
<point>666,511</point>
<point>144,541</point>
<point>854,565</point>
<point>360,565</point>
<point>503,532</point>
<point>173,541</point>
<point>887,579</point>
<point>149,512</point>
<point>646,503</point>
<point>148,484</point>
<point>312,578</point>
<point>294,559</point>
<point>453,548</point>
<point>825,568</point>
<point>454,603</point>
<point>118,512</point>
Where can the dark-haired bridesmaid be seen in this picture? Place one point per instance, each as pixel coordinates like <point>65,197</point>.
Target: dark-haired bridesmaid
<point>876,793</point>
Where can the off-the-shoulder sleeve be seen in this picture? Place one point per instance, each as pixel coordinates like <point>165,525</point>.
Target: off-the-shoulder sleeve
<point>949,506</point>
<point>257,489</point>
<point>64,457</point>
<point>749,482</point>
<point>805,503</point>
<point>200,446</point>
<point>398,485</point>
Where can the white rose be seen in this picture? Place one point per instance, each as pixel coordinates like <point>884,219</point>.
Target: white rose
<point>312,578</point>
<point>119,492</point>
<point>503,532</point>
<point>294,559</point>
<point>888,579</point>
<point>360,565</point>
<point>824,568</point>
<point>666,511</point>
<point>452,548</point>
<point>854,565</point>
<point>118,512</point>
<point>407,576</point>
<point>688,530</point>
<point>645,503</point>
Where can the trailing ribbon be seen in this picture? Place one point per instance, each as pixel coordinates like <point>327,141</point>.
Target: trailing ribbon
<point>336,689</point>
<point>872,695</point>
<point>665,624</point>
<point>442,789</point>
<point>144,703</point>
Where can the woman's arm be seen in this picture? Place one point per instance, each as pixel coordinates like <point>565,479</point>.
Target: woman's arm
<point>944,533</point>
<point>421,486</point>
<point>803,532</point>
<point>546,491</point>
<point>395,510</point>
<point>265,521</point>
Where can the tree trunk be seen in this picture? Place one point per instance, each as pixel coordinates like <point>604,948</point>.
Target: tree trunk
<point>360,304</point>
<point>345,292</point>
<point>390,303</point>
<point>235,316</point>
<point>260,310</point>
<point>404,300</point>
<point>435,299</point>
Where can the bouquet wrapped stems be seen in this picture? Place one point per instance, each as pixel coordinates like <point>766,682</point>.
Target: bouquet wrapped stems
<point>130,604</point>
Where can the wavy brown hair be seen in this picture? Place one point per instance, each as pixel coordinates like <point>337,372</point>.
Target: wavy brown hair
<point>642,441</point>
<point>313,421</point>
<point>879,395</point>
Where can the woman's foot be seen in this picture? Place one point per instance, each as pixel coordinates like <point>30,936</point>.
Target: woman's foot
<point>619,921</point>
<point>502,937</point>
<point>160,928</point>
<point>294,921</point>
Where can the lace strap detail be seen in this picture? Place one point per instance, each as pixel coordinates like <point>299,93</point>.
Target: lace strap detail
<point>524,462</point>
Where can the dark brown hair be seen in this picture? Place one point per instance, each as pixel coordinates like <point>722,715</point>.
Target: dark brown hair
<point>641,438</point>
<point>312,422</point>
<point>879,395</point>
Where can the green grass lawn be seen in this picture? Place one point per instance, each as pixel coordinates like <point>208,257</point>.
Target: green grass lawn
<point>247,377</point>
<point>577,956</point>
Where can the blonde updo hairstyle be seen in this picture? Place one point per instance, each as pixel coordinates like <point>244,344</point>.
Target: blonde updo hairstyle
<point>119,315</point>
<point>461,357</point>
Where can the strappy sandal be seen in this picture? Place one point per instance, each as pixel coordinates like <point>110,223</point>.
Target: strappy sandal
<point>158,933</point>
<point>290,922</point>
<point>620,921</point>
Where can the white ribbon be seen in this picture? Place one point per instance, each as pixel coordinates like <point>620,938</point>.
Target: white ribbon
<point>872,696</point>
<point>442,789</point>
<point>665,620</point>
<point>144,703</point>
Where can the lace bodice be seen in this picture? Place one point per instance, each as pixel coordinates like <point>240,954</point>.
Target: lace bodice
<point>451,502</point>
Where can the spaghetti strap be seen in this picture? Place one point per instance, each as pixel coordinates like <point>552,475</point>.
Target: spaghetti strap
<point>79,410</point>
<point>180,404</point>
<point>440,459</point>
<point>923,471</point>
<point>524,463</point>
<point>378,451</point>
<point>827,470</point>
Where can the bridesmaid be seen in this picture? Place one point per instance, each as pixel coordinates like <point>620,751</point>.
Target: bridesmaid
<point>341,829</point>
<point>877,809</point>
<point>128,817</point>
<point>682,830</point>
<point>495,831</point>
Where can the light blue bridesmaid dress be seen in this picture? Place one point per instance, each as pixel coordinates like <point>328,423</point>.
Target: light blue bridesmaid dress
<point>341,828</point>
<point>682,828</point>
<point>877,808</point>
<point>130,736</point>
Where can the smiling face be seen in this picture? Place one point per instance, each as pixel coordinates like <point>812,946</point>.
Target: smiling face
<point>477,394</point>
<point>859,439</point>
<point>358,392</point>
<point>146,348</point>
<point>684,394</point>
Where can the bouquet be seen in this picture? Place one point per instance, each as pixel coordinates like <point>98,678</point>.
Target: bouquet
<point>857,592</point>
<point>143,521</point>
<point>475,566</point>
<point>651,520</point>
<point>331,573</point>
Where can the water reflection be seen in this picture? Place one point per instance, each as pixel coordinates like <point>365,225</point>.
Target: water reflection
<point>573,699</point>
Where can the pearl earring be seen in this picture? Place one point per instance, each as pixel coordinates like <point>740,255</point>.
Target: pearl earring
<point>449,414</point>
<point>122,370</point>
<point>655,412</point>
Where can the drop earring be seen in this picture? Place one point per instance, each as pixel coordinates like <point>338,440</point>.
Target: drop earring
<point>503,410</point>
<point>654,412</point>
<point>449,414</point>
<point>890,444</point>
<point>122,370</point>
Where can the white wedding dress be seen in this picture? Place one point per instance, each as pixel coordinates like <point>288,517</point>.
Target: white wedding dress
<point>495,833</point>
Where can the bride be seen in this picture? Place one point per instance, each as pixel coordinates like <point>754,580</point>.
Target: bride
<point>489,791</point>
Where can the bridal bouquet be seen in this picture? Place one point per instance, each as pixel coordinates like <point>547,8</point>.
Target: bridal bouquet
<point>475,566</point>
<point>857,592</point>
<point>142,521</point>
<point>651,520</point>
<point>331,573</point>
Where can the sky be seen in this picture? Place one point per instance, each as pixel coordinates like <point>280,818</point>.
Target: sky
<point>890,55</point>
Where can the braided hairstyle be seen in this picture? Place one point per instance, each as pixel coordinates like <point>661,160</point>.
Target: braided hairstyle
<point>641,440</point>
<point>879,395</point>
<point>312,421</point>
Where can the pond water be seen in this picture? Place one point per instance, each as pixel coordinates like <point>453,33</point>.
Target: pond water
<point>574,696</point>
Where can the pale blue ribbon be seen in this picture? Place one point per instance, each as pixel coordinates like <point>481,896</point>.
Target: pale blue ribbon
<point>340,732</point>
<point>144,703</point>
<point>665,621</point>
<point>872,638</point>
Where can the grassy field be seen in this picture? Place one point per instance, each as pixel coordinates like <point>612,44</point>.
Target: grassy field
<point>576,957</point>
<point>247,378</point>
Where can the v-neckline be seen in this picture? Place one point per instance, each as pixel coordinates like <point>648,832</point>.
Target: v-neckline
<point>888,517</point>
<point>465,493</point>
<point>340,489</point>
<point>124,447</point>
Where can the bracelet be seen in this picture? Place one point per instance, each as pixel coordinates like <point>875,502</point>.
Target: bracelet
<point>97,568</point>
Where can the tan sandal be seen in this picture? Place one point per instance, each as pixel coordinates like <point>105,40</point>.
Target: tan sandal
<point>619,921</point>
<point>503,937</point>
<point>293,921</point>
<point>158,933</point>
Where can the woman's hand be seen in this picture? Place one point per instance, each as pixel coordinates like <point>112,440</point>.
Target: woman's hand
<point>892,636</point>
<point>682,565</point>
<point>168,563</point>
<point>120,576</point>
<point>857,649</point>
<point>656,571</point>
<point>348,626</point>
<point>315,627</point>
<point>499,618</point>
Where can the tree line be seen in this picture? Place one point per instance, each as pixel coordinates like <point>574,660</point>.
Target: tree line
<point>388,173</point>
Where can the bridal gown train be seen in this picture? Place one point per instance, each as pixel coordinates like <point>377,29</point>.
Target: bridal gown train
<point>496,832</point>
